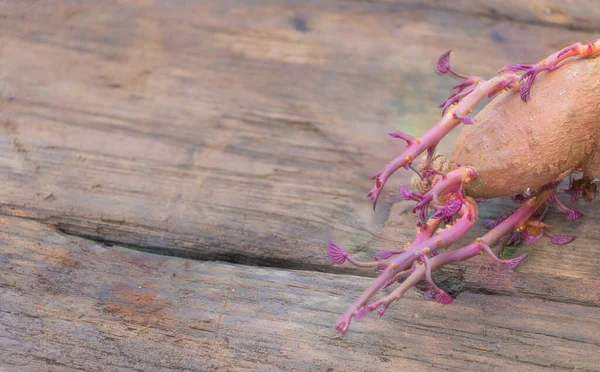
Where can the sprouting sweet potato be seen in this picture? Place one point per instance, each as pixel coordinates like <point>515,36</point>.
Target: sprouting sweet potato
<point>542,126</point>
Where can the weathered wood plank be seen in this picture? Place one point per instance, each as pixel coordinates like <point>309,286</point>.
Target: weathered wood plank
<point>575,15</point>
<point>245,130</point>
<point>71,304</point>
<point>572,15</point>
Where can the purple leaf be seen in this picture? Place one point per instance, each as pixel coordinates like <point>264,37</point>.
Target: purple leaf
<point>464,119</point>
<point>335,253</point>
<point>443,64</point>
<point>562,239</point>
<point>438,295</point>
<point>443,298</point>
<point>453,206</point>
<point>388,254</point>
<point>406,195</point>
<point>511,264</point>
<point>525,89</point>
<point>409,195</point>
<point>448,210</point>
<point>574,215</point>
<point>467,120</point>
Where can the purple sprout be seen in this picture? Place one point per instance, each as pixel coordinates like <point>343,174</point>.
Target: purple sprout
<point>410,195</point>
<point>462,89</point>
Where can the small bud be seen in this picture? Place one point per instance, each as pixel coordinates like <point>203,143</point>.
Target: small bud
<point>464,119</point>
<point>408,138</point>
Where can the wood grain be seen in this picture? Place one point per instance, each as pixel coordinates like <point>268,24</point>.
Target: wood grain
<point>71,304</point>
<point>582,15</point>
<point>245,131</point>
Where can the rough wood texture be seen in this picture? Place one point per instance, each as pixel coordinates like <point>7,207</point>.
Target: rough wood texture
<point>580,15</point>
<point>71,304</point>
<point>245,131</point>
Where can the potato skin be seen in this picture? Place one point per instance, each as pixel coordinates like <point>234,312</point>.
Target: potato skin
<point>516,145</point>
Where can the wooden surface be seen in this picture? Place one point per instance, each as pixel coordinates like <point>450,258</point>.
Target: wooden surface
<point>245,131</point>
<point>68,303</point>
